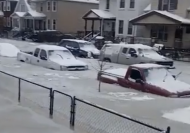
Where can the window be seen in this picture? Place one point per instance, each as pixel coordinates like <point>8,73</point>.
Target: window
<point>36,52</point>
<point>54,5</point>
<point>130,28</point>
<point>22,8</point>
<point>167,5</point>
<point>135,74</point>
<point>124,50</point>
<point>107,4</point>
<point>54,24</point>
<point>132,4</point>
<point>48,24</point>
<point>5,22</point>
<point>72,44</point>
<point>121,23</point>
<point>188,29</point>
<point>122,4</point>
<point>159,32</point>
<point>4,6</point>
<point>173,4</point>
<point>8,6</point>
<point>41,7</point>
<point>48,5</point>
<point>43,54</point>
<point>8,22</point>
<point>132,51</point>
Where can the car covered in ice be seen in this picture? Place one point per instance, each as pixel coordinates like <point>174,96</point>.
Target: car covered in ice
<point>132,54</point>
<point>52,57</point>
<point>80,48</point>
<point>151,78</point>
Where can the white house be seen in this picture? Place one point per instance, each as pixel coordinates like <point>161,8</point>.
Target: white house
<point>124,10</point>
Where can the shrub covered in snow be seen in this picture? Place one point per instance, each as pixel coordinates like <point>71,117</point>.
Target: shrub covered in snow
<point>8,50</point>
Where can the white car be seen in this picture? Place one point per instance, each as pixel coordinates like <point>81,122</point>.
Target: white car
<point>52,57</point>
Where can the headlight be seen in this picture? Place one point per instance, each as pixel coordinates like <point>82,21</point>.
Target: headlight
<point>63,68</point>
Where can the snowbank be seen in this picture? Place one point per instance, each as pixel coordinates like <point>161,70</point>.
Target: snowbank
<point>8,50</point>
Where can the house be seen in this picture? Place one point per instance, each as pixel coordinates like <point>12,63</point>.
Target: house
<point>61,15</point>
<point>7,7</point>
<point>168,21</point>
<point>114,15</point>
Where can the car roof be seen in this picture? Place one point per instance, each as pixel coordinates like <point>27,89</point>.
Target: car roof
<point>51,47</point>
<point>76,40</point>
<point>136,46</point>
<point>148,65</point>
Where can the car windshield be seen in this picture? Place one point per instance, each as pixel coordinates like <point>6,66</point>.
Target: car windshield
<point>86,44</point>
<point>147,52</point>
<point>157,74</point>
<point>59,54</point>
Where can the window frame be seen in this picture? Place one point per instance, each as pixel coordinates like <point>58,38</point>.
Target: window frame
<point>44,52</point>
<point>4,6</point>
<point>132,4</point>
<point>130,29</point>
<point>8,22</point>
<point>120,26</point>
<point>54,24</point>
<point>122,4</point>
<point>129,52</point>
<point>8,4</point>
<point>48,4</point>
<point>5,21</point>
<point>135,70</point>
<point>41,7</point>
<point>38,51</point>
<point>124,48</point>
<point>54,6</point>
<point>48,24</point>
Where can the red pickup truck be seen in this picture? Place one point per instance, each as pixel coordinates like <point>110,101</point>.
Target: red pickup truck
<point>151,78</point>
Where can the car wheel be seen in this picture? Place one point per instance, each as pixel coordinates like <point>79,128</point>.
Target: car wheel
<point>106,60</point>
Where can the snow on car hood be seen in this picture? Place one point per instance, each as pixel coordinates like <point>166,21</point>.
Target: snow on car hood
<point>90,49</point>
<point>67,61</point>
<point>163,78</point>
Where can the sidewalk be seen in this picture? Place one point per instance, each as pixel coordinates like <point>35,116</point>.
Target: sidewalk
<point>17,119</point>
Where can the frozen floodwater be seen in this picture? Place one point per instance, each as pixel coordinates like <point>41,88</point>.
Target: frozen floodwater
<point>83,84</point>
<point>19,119</point>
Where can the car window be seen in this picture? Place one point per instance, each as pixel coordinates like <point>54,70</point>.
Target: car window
<point>135,74</point>
<point>43,53</point>
<point>132,51</point>
<point>63,43</point>
<point>36,52</point>
<point>124,50</point>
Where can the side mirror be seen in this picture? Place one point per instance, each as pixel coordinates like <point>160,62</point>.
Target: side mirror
<point>134,55</point>
<point>43,58</point>
<point>140,81</point>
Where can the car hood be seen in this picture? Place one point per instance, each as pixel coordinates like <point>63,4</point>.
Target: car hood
<point>67,61</point>
<point>157,57</point>
<point>172,86</point>
<point>91,49</point>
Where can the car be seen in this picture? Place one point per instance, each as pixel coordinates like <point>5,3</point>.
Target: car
<point>132,54</point>
<point>52,57</point>
<point>80,48</point>
<point>150,78</point>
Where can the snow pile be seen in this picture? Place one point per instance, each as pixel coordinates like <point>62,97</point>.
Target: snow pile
<point>8,50</point>
<point>180,115</point>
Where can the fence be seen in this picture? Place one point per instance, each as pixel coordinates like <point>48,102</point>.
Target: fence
<point>81,114</point>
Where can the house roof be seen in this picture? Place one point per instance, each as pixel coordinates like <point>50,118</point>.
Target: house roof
<point>101,14</point>
<point>34,14</point>
<point>83,1</point>
<point>169,15</point>
<point>19,14</point>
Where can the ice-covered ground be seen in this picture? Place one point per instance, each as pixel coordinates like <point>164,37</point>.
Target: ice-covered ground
<point>83,84</point>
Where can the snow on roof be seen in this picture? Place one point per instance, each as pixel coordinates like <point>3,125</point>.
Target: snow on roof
<point>51,47</point>
<point>148,8</point>
<point>103,14</point>
<point>20,14</point>
<point>36,14</point>
<point>86,1</point>
<point>1,13</point>
<point>75,40</point>
<point>168,14</point>
<point>148,65</point>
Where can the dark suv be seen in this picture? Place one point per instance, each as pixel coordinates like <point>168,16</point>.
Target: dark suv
<point>80,48</point>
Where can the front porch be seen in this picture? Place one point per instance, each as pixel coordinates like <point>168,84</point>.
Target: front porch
<point>165,28</point>
<point>28,21</point>
<point>102,21</point>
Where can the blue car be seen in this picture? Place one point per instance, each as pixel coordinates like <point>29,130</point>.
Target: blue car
<point>80,48</point>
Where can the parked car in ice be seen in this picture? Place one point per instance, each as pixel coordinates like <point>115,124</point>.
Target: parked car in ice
<point>52,57</point>
<point>151,78</point>
<point>80,48</point>
<point>8,50</point>
<point>132,54</point>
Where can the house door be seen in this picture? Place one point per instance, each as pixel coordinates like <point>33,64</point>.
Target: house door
<point>113,29</point>
<point>179,33</point>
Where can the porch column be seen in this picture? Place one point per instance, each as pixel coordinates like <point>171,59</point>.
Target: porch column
<point>92,28</point>
<point>85,28</point>
<point>33,24</point>
<point>102,27</point>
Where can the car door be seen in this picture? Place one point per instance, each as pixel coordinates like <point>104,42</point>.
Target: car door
<point>122,56</point>
<point>35,56</point>
<point>43,58</point>
<point>132,60</point>
<point>134,75</point>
